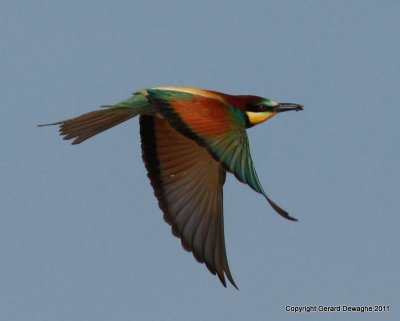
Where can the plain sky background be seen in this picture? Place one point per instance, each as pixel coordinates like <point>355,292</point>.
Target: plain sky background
<point>81,235</point>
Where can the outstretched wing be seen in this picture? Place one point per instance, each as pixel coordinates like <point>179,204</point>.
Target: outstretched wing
<point>188,183</point>
<point>218,127</point>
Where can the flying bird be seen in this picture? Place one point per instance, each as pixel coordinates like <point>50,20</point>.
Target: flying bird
<point>190,138</point>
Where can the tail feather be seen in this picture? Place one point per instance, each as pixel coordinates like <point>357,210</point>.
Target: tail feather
<point>92,123</point>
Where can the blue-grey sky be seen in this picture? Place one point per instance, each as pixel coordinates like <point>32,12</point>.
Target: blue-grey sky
<point>81,235</point>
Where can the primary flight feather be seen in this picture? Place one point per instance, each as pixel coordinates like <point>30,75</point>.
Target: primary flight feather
<point>190,139</point>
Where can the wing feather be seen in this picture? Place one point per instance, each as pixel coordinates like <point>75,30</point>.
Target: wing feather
<point>188,183</point>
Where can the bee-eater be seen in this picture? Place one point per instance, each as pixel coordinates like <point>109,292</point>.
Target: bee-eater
<point>190,138</point>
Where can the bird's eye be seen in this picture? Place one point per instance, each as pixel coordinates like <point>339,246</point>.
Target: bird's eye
<point>262,108</point>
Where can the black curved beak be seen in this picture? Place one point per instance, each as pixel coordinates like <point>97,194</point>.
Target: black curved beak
<point>288,106</point>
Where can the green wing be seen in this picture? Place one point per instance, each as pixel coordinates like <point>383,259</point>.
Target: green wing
<point>218,127</point>
<point>234,154</point>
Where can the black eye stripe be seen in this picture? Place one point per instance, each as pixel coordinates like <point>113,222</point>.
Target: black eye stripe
<point>258,108</point>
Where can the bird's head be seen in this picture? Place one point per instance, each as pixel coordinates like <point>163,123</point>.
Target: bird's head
<point>262,109</point>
